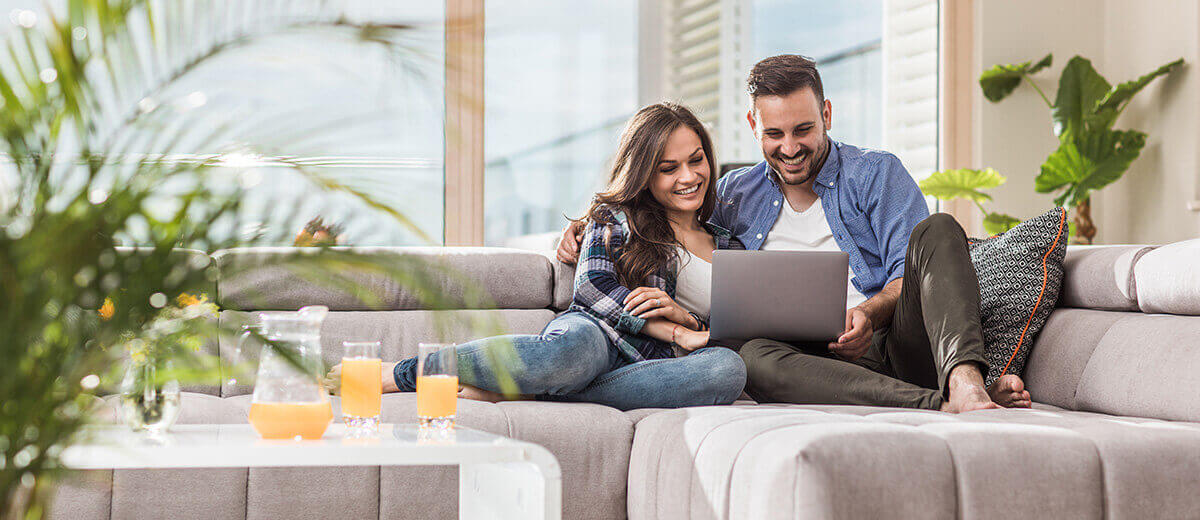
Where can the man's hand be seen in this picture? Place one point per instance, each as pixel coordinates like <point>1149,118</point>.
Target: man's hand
<point>568,245</point>
<point>853,343</point>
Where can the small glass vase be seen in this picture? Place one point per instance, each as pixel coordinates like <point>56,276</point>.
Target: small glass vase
<point>149,403</point>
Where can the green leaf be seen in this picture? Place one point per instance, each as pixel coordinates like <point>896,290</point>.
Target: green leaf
<point>963,183</point>
<point>996,223</point>
<point>1096,160</point>
<point>1110,105</point>
<point>1079,89</point>
<point>1000,80</point>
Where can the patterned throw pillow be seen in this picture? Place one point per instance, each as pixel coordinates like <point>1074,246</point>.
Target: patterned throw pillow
<point>1020,272</point>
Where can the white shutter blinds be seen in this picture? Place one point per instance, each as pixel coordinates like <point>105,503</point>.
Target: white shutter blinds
<point>910,52</point>
<point>705,44</point>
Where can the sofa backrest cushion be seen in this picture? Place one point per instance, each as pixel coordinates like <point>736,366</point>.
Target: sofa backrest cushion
<point>1168,279</point>
<point>1062,351</point>
<point>399,332</point>
<point>564,283</point>
<point>1101,277</point>
<point>384,278</point>
<point>1146,366</point>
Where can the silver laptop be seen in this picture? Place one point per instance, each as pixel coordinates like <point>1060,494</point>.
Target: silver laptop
<point>781,295</point>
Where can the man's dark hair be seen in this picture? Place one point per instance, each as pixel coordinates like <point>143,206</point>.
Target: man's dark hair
<point>782,75</point>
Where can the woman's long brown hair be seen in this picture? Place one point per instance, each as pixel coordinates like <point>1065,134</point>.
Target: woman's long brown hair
<point>650,246</point>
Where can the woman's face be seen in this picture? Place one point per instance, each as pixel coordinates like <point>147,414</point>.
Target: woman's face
<point>680,179</point>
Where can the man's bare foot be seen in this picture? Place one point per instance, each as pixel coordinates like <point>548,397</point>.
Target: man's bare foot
<point>966,391</point>
<point>1009,392</point>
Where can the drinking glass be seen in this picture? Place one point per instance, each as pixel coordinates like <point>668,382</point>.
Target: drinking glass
<point>362,389</point>
<point>437,385</point>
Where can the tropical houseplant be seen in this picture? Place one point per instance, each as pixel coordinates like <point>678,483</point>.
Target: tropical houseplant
<point>1091,153</point>
<point>96,201</point>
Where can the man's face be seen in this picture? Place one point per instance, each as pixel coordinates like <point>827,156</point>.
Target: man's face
<point>791,130</point>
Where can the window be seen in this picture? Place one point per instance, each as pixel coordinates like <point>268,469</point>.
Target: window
<point>878,62</point>
<point>342,108</point>
<point>560,81</point>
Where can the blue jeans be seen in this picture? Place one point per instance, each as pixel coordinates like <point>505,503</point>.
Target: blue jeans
<point>572,360</point>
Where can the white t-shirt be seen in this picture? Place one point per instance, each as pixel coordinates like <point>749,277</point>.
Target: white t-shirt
<point>807,231</point>
<point>693,283</point>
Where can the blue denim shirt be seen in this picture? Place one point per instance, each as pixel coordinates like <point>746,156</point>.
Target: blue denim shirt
<point>870,201</point>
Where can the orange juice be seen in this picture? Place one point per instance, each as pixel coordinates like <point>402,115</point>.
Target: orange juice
<point>361,387</point>
<point>437,396</point>
<point>287,420</point>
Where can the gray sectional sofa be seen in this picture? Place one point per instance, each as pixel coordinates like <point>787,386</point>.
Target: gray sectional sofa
<point>1115,432</point>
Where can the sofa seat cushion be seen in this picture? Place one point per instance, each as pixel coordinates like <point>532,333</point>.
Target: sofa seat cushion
<point>792,461</point>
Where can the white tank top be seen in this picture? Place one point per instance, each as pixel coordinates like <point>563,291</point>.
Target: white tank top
<point>693,283</point>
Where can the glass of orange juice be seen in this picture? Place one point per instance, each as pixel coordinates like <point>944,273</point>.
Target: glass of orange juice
<point>437,384</point>
<point>362,390</point>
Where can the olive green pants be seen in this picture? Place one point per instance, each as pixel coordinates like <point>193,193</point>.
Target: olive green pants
<point>935,327</point>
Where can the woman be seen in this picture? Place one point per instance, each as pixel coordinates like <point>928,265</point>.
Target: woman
<point>645,237</point>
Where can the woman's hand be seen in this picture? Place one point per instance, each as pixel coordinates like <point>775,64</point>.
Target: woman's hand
<point>650,302</point>
<point>690,340</point>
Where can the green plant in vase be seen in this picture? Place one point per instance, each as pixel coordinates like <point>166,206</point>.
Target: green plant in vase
<point>166,350</point>
<point>1091,154</point>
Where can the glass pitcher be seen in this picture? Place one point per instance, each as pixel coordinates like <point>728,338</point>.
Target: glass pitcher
<point>289,402</point>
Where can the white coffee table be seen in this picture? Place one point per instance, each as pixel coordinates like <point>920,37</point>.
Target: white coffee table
<point>498,477</point>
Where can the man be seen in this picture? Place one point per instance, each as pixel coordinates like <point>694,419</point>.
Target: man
<point>916,345</point>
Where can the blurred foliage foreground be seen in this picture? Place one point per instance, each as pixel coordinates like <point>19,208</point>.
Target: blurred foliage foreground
<point>90,129</point>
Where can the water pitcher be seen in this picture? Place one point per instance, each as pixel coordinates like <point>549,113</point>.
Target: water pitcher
<point>289,401</point>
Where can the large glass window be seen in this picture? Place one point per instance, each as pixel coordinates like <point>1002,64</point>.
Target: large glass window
<point>562,77</point>
<point>560,81</point>
<point>365,116</point>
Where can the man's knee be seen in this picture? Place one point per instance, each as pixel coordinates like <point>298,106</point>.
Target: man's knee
<point>937,227</point>
<point>754,352</point>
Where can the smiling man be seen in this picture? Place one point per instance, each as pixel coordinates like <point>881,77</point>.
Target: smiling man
<point>912,336</point>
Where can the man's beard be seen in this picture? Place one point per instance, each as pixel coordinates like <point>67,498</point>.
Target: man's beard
<point>815,159</point>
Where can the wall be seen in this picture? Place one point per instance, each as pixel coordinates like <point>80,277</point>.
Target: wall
<point>1149,204</point>
<point>1124,40</point>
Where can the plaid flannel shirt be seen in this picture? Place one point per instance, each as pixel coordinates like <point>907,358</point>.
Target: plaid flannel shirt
<point>599,293</point>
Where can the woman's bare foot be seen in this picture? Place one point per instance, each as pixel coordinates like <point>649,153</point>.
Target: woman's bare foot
<point>388,378</point>
<point>966,391</point>
<point>479,394</point>
<point>1009,392</point>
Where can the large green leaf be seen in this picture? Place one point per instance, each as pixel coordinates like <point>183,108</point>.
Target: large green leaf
<point>996,223</point>
<point>1079,89</point>
<point>1098,158</point>
<point>1000,80</point>
<point>963,183</point>
<point>1110,105</point>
